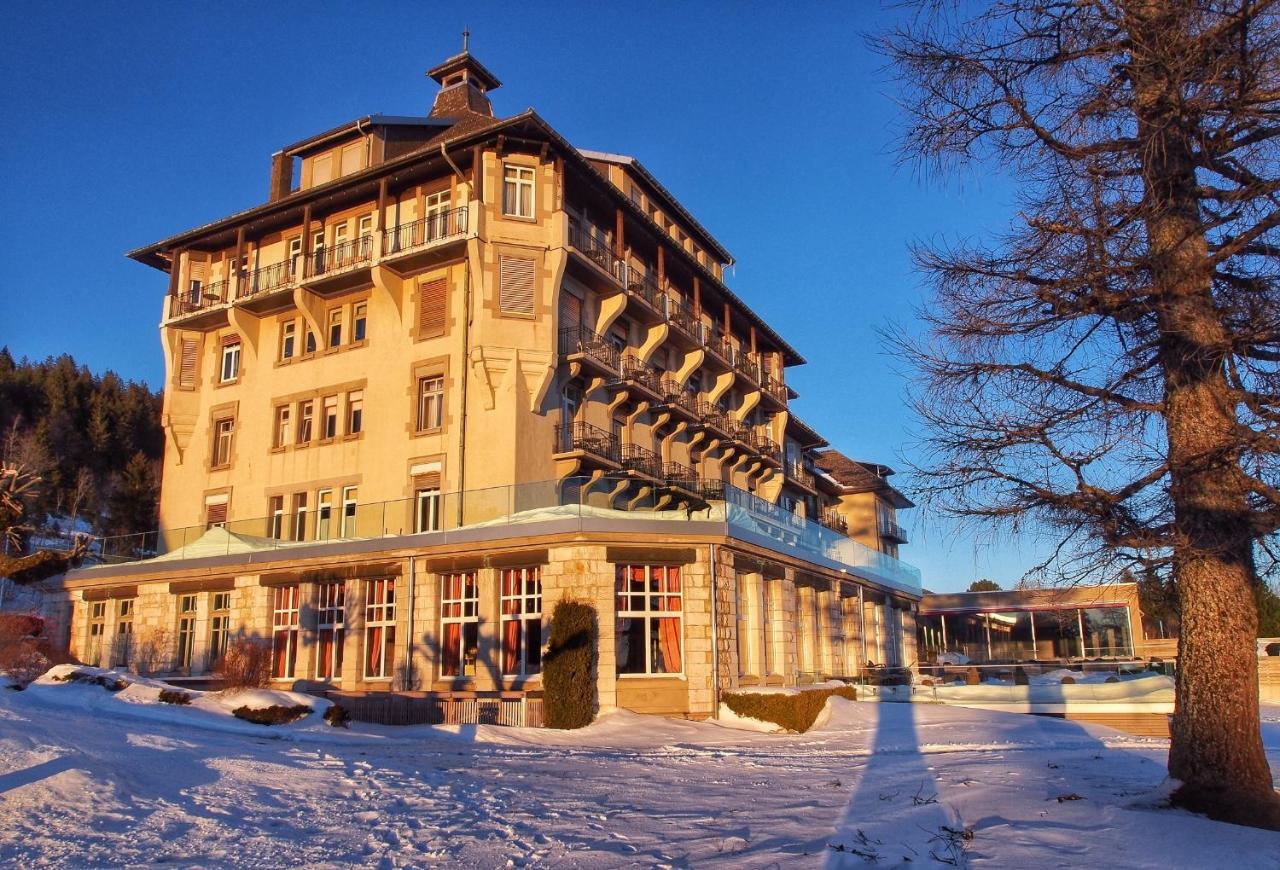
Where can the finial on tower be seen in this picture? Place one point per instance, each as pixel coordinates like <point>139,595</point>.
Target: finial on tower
<point>466,37</point>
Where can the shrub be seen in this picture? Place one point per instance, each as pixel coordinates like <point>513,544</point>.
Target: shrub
<point>276,714</point>
<point>972,677</point>
<point>246,664</point>
<point>1068,681</point>
<point>337,716</point>
<point>568,670</point>
<point>110,682</point>
<point>1020,676</point>
<point>175,696</point>
<point>795,712</point>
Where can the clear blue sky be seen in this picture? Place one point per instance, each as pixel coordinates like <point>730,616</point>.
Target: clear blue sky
<point>125,123</point>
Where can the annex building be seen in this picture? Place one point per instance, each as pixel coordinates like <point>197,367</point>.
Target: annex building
<point>453,370</point>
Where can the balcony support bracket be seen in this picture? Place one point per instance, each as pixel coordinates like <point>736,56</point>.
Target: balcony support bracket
<point>391,285</point>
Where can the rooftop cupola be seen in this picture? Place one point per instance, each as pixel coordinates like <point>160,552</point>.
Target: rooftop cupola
<point>464,84</point>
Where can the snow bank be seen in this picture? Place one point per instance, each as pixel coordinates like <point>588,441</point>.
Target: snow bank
<point>787,690</point>
<point>140,698</point>
<point>1152,693</point>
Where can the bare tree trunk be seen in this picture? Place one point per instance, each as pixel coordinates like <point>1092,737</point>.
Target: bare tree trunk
<point>1216,748</point>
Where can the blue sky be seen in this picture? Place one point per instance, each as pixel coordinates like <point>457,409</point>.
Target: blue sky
<point>774,124</point>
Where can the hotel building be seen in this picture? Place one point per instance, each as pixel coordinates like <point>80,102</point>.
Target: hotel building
<point>453,370</point>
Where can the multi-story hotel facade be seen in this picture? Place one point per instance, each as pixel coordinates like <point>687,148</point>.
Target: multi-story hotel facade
<point>455,370</point>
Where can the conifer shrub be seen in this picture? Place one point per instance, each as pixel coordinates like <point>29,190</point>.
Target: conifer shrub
<point>568,669</point>
<point>795,712</point>
<point>276,714</point>
<point>175,696</point>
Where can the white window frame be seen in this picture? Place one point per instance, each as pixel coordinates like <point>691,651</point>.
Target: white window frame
<point>329,415</point>
<point>334,323</point>
<point>359,322</point>
<point>306,421</point>
<point>524,607</point>
<point>379,628</point>
<point>219,625</point>
<point>355,412</point>
<point>436,215</point>
<point>285,622</point>
<point>426,509</point>
<point>223,432</point>
<point>275,510</point>
<point>300,509</point>
<point>430,413</point>
<point>324,513</point>
<point>96,631</point>
<point>331,619</point>
<point>518,191</point>
<point>230,369</point>
<point>350,495</point>
<point>288,339</point>
<point>462,611</point>
<point>649,597</point>
<point>188,608</point>
<point>122,641</point>
<point>283,426</point>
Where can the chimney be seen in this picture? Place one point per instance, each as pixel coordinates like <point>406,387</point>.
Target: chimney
<point>281,176</point>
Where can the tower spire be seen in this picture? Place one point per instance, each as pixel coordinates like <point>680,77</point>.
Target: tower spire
<point>466,38</point>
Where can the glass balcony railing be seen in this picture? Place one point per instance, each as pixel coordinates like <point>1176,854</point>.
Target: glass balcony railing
<point>578,503</point>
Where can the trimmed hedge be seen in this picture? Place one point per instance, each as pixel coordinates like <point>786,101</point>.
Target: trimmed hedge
<point>568,669</point>
<point>276,714</point>
<point>795,712</point>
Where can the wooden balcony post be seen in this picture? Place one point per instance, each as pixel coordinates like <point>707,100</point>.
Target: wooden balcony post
<point>379,221</point>
<point>233,289</point>
<point>728,328</point>
<point>662,267</point>
<point>697,297</point>
<point>477,174</point>
<point>753,340</point>
<point>175,268</point>
<point>619,244</point>
<point>304,249</point>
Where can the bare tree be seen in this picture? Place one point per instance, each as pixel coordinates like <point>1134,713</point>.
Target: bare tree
<point>82,491</point>
<point>16,485</point>
<point>1106,371</point>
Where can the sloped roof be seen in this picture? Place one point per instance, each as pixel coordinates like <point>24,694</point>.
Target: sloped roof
<point>856,476</point>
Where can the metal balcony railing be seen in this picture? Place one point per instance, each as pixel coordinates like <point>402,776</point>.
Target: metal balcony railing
<point>743,433</point>
<point>767,447</point>
<point>747,367</point>
<point>773,387</point>
<point>674,394</point>
<point>268,278</point>
<point>344,255</point>
<point>643,282</point>
<point>712,490</point>
<point>203,298</point>
<point>679,314</point>
<point>588,439</point>
<point>834,521</point>
<point>580,341</point>
<point>641,460</point>
<point>679,475</point>
<point>714,416</point>
<point>797,473</point>
<point>890,529</point>
<point>425,231</point>
<point>596,249</point>
<point>634,371</point>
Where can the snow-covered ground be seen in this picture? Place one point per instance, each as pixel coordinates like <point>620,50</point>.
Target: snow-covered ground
<point>90,778</point>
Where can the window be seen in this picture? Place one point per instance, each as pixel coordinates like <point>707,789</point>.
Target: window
<point>459,624</point>
<point>288,333</point>
<point>222,432</point>
<point>335,327</point>
<point>350,495</point>
<point>284,631</point>
<point>322,169</point>
<point>521,621</point>
<point>364,235</point>
<point>426,511</point>
<point>746,646</point>
<point>281,438</point>
<point>122,645</point>
<point>517,191</point>
<point>186,631</point>
<point>353,158</point>
<point>432,307</point>
<point>309,345</point>
<point>306,416</point>
<point>329,419</point>
<point>516,279</point>
<point>437,214</point>
<point>359,317</point>
<point>430,403</point>
<point>295,256</point>
<point>379,627</point>
<point>188,360</point>
<point>215,513</point>
<point>768,593</point>
<point>275,517</point>
<point>193,291</point>
<point>219,626</point>
<point>324,513</point>
<point>331,621</point>
<point>300,516</point>
<point>355,412</point>
<point>97,628</point>
<point>650,626</point>
<point>230,362</point>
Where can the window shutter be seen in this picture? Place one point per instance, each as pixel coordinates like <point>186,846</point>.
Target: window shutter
<point>199,270</point>
<point>429,480</point>
<point>215,514</point>
<point>233,338</point>
<point>570,310</point>
<point>431,307</point>
<point>187,364</point>
<point>515,284</point>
